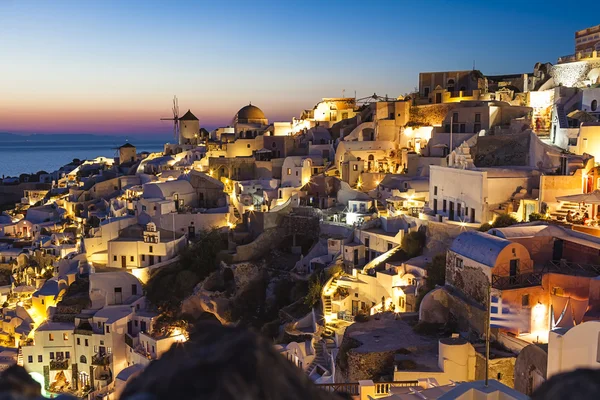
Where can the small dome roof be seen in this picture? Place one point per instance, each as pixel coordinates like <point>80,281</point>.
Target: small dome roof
<point>250,112</point>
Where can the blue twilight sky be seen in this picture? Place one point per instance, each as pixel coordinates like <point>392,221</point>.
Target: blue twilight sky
<point>112,66</point>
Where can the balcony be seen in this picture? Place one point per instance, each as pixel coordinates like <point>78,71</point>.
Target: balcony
<point>101,359</point>
<point>56,365</point>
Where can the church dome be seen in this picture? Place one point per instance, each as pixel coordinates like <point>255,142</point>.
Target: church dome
<point>250,112</point>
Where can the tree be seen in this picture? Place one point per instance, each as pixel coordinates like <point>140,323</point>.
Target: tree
<point>169,286</point>
<point>413,243</point>
<point>436,271</point>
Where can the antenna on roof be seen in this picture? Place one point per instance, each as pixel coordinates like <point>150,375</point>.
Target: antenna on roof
<point>473,65</point>
<point>343,93</point>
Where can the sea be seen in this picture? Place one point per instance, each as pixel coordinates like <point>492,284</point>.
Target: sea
<point>29,154</point>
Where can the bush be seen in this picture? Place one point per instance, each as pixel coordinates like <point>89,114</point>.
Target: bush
<point>504,220</point>
<point>485,227</point>
<point>413,243</point>
<point>537,217</point>
<point>315,287</point>
<point>361,317</point>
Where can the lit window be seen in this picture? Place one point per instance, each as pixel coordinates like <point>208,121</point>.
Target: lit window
<point>51,337</point>
<point>355,167</point>
<point>65,336</point>
<point>289,171</point>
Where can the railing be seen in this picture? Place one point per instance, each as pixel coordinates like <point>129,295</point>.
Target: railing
<point>349,388</point>
<point>353,388</point>
<point>517,281</point>
<point>87,332</point>
<point>572,268</point>
<point>385,387</point>
<point>101,359</point>
<point>129,340</point>
<point>56,365</point>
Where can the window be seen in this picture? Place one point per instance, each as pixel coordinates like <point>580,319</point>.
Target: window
<point>525,300</point>
<point>40,359</point>
<point>108,350</point>
<point>102,343</point>
<point>51,337</point>
<point>355,167</point>
<point>65,336</point>
<point>459,262</point>
<point>143,257</point>
<point>95,349</point>
<point>83,360</point>
<point>367,242</point>
<point>159,258</point>
<point>594,105</point>
<point>573,141</point>
<point>135,323</point>
<point>289,171</point>
<point>143,208</point>
<point>426,91</point>
<point>30,359</point>
<point>52,355</point>
<point>86,343</point>
<point>114,258</point>
<point>444,206</point>
<point>131,258</point>
<point>248,146</point>
<point>463,128</point>
<point>435,190</point>
<point>356,294</point>
<point>67,354</point>
<point>390,246</point>
<point>454,117</point>
<point>78,341</point>
<point>107,329</point>
<point>296,173</point>
<point>42,301</point>
<point>478,117</point>
<point>150,249</point>
<point>476,128</point>
<point>134,289</point>
<point>153,349</point>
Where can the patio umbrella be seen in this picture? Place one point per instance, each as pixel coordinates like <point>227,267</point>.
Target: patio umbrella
<point>589,198</point>
<point>582,116</point>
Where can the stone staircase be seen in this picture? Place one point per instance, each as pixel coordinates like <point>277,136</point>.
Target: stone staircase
<point>561,213</point>
<point>562,116</point>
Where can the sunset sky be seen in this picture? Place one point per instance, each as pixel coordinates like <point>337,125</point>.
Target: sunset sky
<point>113,66</point>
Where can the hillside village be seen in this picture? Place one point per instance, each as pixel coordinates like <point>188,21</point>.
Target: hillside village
<point>364,237</point>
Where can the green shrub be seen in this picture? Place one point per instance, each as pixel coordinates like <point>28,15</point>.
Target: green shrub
<point>485,227</point>
<point>537,217</point>
<point>413,243</point>
<point>504,220</point>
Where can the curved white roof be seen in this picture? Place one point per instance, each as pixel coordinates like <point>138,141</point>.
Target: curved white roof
<point>162,190</point>
<point>478,246</point>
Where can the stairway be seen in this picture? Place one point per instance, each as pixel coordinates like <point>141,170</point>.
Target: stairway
<point>20,357</point>
<point>562,116</point>
<point>561,213</point>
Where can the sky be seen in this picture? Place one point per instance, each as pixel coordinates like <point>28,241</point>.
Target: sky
<point>113,66</point>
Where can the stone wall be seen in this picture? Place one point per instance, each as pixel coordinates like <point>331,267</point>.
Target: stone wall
<point>355,366</point>
<point>440,236</point>
<point>429,115</point>
<point>501,369</point>
<point>470,279</point>
<point>441,305</point>
<point>569,74</point>
<point>502,150</point>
